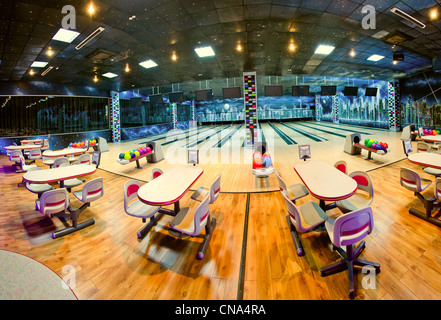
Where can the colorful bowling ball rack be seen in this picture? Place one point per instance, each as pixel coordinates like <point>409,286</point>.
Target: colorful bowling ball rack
<point>134,155</point>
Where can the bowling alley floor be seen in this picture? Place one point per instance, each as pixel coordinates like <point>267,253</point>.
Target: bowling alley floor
<point>251,255</point>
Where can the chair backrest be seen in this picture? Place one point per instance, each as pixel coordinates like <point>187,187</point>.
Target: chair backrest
<point>34,154</point>
<point>54,201</point>
<point>438,188</point>
<point>201,215</point>
<point>84,159</point>
<point>46,143</point>
<point>352,227</point>
<point>215,189</point>
<point>410,179</point>
<point>294,214</point>
<point>131,188</point>
<point>364,182</point>
<point>423,147</point>
<point>14,155</point>
<point>342,166</point>
<point>156,172</point>
<point>92,190</point>
<point>282,185</point>
<point>22,162</point>
<point>60,162</point>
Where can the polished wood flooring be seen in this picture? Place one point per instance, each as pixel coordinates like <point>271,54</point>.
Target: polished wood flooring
<point>251,254</point>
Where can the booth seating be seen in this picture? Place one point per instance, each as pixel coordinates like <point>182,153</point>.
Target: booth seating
<point>342,166</point>
<point>346,230</point>
<point>294,191</point>
<point>92,191</point>
<point>303,218</point>
<point>412,181</point>
<point>135,208</point>
<point>191,222</point>
<point>38,188</point>
<point>156,172</point>
<point>213,191</point>
<point>359,199</point>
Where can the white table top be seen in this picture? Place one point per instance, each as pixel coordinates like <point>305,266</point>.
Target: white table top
<point>31,141</point>
<point>436,138</point>
<point>324,181</point>
<point>170,186</point>
<point>64,152</point>
<point>426,159</point>
<point>58,174</point>
<point>23,147</point>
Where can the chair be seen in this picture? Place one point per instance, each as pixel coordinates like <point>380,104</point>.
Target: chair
<point>295,191</point>
<point>156,172</point>
<point>359,199</point>
<point>342,166</point>
<point>45,145</point>
<point>38,188</point>
<point>52,202</point>
<point>23,166</point>
<point>191,221</point>
<point>14,156</point>
<point>346,230</point>
<point>303,218</point>
<point>213,191</point>
<point>83,159</point>
<point>92,190</point>
<point>33,155</point>
<point>138,209</point>
<point>60,162</point>
<point>423,146</point>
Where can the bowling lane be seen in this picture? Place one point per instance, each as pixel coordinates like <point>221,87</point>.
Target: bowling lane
<point>329,126</point>
<point>352,127</point>
<point>323,133</point>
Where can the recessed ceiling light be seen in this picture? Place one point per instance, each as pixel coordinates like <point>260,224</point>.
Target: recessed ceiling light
<point>148,64</point>
<point>375,57</point>
<point>204,51</point>
<point>65,35</point>
<point>38,64</point>
<point>109,75</point>
<point>324,49</point>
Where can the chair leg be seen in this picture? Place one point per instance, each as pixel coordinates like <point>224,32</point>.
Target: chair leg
<point>209,228</point>
<point>144,230</point>
<point>295,237</point>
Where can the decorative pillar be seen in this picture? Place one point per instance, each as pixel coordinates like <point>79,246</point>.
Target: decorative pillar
<point>250,104</point>
<point>115,125</point>
<point>174,112</point>
<point>394,106</point>
<point>318,108</point>
<point>335,118</point>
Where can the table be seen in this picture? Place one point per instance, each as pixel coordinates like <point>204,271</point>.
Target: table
<point>23,147</point>
<point>37,141</point>
<point>23,278</point>
<point>64,152</point>
<point>426,159</point>
<point>325,182</point>
<point>168,189</point>
<point>436,138</point>
<point>58,174</point>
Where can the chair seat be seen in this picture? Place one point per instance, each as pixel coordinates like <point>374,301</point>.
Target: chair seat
<point>432,171</point>
<point>312,215</point>
<point>70,183</point>
<point>27,167</point>
<point>38,187</point>
<point>141,210</point>
<point>200,194</point>
<point>297,191</point>
<point>425,183</point>
<point>355,202</point>
<point>184,221</point>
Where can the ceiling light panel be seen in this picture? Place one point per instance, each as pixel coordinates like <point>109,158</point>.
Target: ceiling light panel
<point>204,51</point>
<point>148,64</point>
<point>65,35</point>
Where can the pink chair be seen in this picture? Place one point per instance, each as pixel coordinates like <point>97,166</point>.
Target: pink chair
<point>156,172</point>
<point>346,230</point>
<point>135,208</point>
<point>342,166</point>
<point>213,191</point>
<point>191,222</point>
<point>53,202</point>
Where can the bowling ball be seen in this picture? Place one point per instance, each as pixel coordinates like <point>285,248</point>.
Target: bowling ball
<point>144,150</point>
<point>379,147</point>
<point>127,156</point>
<point>267,162</point>
<point>386,145</point>
<point>257,164</point>
<point>137,153</point>
<point>132,155</point>
<point>121,155</point>
<point>373,146</point>
<point>366,141</point>
<point>148,149</point>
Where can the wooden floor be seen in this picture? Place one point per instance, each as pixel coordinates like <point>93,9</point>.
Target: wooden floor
<point>109,262</point>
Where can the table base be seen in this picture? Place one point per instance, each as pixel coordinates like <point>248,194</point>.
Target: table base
<point>429,205</point>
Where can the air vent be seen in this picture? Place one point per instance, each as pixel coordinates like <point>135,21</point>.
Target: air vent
<point>397,37</point>
<point>90,37</point>
<point>46,71</point>
<point>408,17</point>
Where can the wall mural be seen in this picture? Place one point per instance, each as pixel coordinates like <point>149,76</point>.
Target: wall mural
<point>421,100</point>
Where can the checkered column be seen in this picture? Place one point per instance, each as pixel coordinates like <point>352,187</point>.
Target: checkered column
<point>335,108</point>
<point>174,114</point>
<point>115,125</point>
<point>250,103</point>
<point>318,108</point>
<point>394,105</point>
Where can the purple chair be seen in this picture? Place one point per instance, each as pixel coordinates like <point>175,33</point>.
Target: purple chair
<point>346,230</point>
